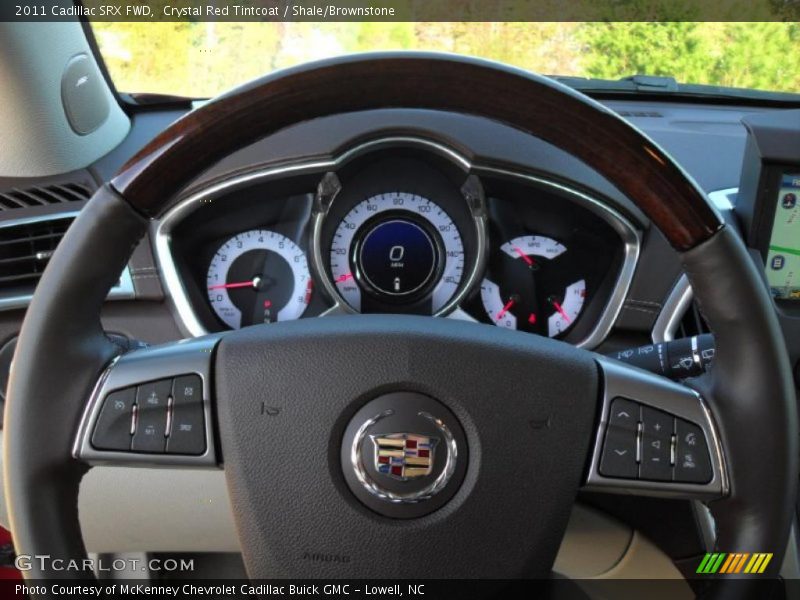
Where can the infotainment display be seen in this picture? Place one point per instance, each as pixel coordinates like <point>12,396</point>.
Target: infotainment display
<point>783,253</point>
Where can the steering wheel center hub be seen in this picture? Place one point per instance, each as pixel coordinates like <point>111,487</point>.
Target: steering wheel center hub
<point>404,454</point>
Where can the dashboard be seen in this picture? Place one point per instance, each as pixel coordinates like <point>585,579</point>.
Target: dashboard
<point>401,225</point>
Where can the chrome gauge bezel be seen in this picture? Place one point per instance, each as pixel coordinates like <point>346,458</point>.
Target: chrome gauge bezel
<point>473,271</point>
<point>629,235</point>
<point>191,325</point>
<point>355,248</point>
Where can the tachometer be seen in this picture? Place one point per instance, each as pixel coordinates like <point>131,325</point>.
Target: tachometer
<point>258,276</point>
<point>527,288</point>
<point>399,248</point>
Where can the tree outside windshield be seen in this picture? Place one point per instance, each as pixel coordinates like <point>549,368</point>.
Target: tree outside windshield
<point>204,59</point>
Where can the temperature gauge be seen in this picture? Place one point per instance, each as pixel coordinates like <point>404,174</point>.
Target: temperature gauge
<point>529,289</point>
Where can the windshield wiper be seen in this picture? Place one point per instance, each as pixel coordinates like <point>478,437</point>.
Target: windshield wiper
<point>652,85</point>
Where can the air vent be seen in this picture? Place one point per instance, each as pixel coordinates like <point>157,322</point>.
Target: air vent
<point>44,195</point>
<point>692,323</point>
<point>25,249</point>
<point>640,114</point>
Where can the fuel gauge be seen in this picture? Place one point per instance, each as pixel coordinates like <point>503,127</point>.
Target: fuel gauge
<point>529,288</point>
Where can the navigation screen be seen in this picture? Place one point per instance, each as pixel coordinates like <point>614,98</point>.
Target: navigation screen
<point>783,257</point>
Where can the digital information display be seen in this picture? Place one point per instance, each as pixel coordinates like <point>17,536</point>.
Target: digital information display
<point>783,256</point>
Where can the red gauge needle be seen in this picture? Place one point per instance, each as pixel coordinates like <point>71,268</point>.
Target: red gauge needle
<point>561,311</point>
<point>524,256</point>
<point>505,309</point>
<point>230,286</point>
<point>343,278</point>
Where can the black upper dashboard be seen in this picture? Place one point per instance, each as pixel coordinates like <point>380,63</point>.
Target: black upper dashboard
<point>707,140</point>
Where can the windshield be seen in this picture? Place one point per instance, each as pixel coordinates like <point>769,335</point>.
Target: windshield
<point>204,59</point>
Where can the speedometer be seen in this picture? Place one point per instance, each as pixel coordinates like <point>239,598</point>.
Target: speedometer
<point>399,248</point>
<point>258,276</point>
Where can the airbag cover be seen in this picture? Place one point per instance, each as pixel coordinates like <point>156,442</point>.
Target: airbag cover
<point>286,392</point>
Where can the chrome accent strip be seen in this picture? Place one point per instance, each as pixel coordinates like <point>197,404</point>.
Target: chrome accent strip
<point>790,569</point>
<point>639,430</point>
<point>461,315</point>
<point>88,409</point>
<point>71,214</point>
<point>673,310</point>
<point>698,361</point>
<point>170,408</point>
<point>191,325</point>
<point>706,524</point>
<point>673,449</point>
<point>620,380</point>
<point>721,198</point>
<point>186,357</point>
<point>134,418</point>
<point>123,290</point>
<point>333,311</point>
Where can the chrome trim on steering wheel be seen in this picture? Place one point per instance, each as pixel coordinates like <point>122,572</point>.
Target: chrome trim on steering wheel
<point>646,389</point>
<point>186,357</point>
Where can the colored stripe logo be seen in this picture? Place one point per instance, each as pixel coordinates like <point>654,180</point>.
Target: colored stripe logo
<point>734,562</point>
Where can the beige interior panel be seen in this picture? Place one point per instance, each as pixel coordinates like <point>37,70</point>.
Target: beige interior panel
<point>588,531</point>
<point>37,138</point>
<point>125,509</point>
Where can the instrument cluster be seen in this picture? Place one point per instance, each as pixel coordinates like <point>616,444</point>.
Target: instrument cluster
<point>405,228</point>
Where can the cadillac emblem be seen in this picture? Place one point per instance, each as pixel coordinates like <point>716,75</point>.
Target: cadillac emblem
<point>404,456</point>
<point>393,464</point>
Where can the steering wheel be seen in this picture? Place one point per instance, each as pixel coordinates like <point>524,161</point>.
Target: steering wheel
<point>506,455</point>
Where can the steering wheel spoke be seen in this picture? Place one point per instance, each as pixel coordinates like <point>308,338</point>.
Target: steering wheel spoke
<point>153,407</point>
<point>655,437</point>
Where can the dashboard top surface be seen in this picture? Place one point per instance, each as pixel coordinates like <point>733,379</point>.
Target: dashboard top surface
<point>692,133</point>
